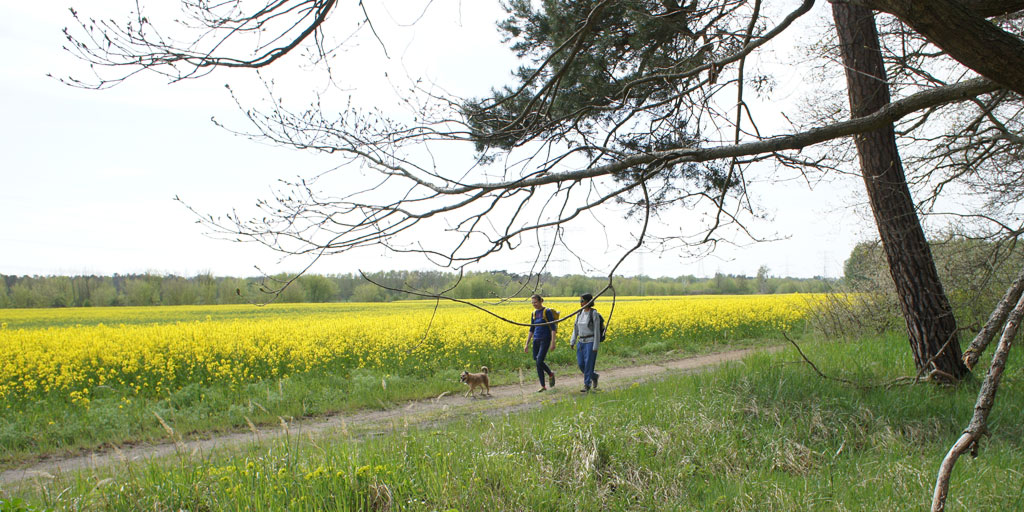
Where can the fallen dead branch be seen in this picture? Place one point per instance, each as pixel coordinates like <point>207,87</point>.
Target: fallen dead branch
<point>978,426</point>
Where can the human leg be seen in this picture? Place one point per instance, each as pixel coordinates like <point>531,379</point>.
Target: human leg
<point>580,362</point>
<point>591,362</point>
<point>588,371</point>
<point>584,359</point>
<point>540,351</point>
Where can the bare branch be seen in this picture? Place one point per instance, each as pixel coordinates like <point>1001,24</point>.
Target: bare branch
<point>995,321</point>
<point>137,45</point>
<point>608,287</point>
<point>978,426</point>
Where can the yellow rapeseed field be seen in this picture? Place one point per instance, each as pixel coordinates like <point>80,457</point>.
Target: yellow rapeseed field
<point>152,351</point>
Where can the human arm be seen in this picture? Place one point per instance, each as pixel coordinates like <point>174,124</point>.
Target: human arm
<point>554,334</point>
<point>572,337</point>
<point>529,334</point>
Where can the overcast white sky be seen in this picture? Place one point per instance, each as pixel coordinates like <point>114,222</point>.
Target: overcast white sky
<point>89,177</point>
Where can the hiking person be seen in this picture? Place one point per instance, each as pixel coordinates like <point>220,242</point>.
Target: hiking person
<point>587,335</point>
<point>542,337</point>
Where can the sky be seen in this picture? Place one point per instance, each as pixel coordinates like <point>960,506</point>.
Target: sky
<point>88,178</point>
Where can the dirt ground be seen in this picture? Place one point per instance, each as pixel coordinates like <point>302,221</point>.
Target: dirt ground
<point>502,400</point>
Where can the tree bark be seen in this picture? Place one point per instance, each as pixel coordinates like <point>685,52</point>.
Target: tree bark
<point>962,32</point>
<point>931,327</point>
<point>982,8</point>
<point>989,8</point>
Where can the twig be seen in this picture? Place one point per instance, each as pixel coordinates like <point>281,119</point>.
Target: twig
<point>858,385</point>
<point>815,368</point>
<point>935,371</point>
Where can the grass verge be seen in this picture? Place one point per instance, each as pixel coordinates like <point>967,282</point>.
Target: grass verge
<point>52,426</point>
<point>765,434</point>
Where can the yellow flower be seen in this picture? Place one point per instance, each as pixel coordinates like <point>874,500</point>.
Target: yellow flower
<point>147,351</point>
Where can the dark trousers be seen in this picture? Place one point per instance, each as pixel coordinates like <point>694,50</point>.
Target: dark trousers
<point>540,351</point>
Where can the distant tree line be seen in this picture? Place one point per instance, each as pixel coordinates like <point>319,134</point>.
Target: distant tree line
<point>169,290</point>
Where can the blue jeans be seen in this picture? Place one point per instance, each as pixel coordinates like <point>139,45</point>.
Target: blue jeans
<point>585,359</point>
<point>540,351</point>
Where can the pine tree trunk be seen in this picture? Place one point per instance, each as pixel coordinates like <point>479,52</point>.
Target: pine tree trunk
<point>930,322</point>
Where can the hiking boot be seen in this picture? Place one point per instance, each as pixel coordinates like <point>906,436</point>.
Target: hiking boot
<point>586,389</point>
<point>541,390</point>
<point>595,380</point>
<point>551,379</point>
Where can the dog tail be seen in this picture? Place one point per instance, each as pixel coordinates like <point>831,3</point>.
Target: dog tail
<point>483,369</point>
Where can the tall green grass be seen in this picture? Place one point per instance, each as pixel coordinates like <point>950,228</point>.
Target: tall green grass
<point>765,434</point>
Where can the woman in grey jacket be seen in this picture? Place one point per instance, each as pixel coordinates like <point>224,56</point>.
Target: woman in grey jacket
<point>587,334</point>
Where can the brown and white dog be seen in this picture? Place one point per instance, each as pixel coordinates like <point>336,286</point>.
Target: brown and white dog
<point>475,380</point>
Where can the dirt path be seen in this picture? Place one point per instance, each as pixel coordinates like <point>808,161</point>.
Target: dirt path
<point>503,399</point>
